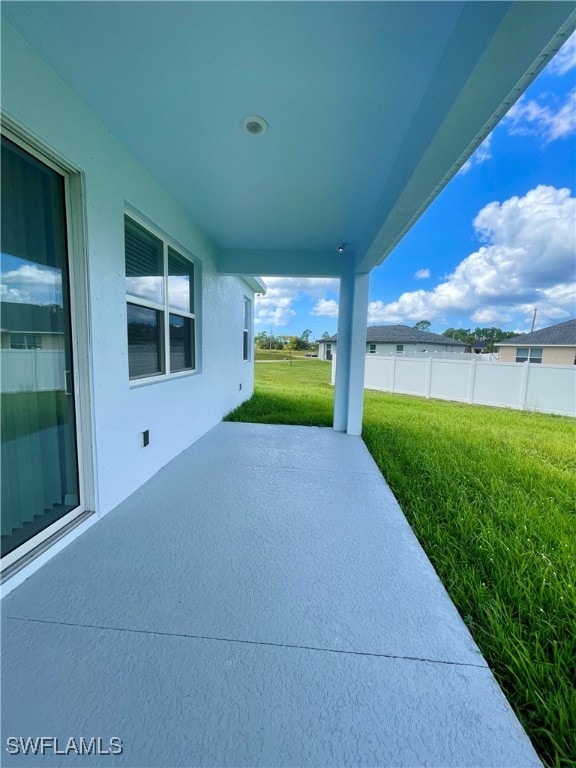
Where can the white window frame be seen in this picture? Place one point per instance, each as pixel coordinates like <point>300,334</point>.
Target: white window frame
<point>75,196</point>
<point>399,349</point>
<point>372,349</point>
<point>165,309</point>
<point>246,335</point>
<point>22,340</point>
<point>528,357</point>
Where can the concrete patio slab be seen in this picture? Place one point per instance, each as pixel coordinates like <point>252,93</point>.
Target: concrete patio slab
<point>260,601</point>
<point>178,701</point>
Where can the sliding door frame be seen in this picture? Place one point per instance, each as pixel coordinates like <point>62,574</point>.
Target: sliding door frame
<point>75,213</point>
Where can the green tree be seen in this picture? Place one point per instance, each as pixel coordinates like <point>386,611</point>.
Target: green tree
<point>262,340</point>
<point>459,334</point>
<point>492,335</point>
<point>423,325</point>
<point>294,343</point>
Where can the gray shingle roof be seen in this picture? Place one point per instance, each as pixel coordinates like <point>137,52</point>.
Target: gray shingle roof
<point>402,334</point>
<point>562,334</point>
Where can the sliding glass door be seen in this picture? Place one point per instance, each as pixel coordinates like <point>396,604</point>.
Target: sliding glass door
<point>40,479</point>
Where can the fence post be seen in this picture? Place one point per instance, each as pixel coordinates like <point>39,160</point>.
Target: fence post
<point>472,379</point>
<point>428,377</point>
<point>524,386</point>
<point>393,373</point>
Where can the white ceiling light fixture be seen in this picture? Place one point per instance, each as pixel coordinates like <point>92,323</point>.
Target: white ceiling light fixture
<point>254,125</point>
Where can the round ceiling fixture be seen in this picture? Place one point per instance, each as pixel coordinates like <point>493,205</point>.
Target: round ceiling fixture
<point>254,125</point>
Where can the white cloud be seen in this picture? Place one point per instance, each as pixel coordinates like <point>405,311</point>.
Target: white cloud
<point>565,59</point>
<point>422,274</point>
<point>276,314</point>
<point>148,287</point>
<point>326,307</point>
<point>529,118</point>
<point>527,258</point>
<point>480,155</point>
<point>32,284</point>
<point>276,307</point>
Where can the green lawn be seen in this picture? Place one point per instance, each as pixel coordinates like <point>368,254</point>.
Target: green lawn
<point>490,493</point>
<point>279,354</point>
<point>25,413</point>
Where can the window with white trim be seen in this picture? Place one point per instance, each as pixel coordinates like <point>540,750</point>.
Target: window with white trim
<point>529,354</point>
<point>246,331</point>
<point>372,349</point>
<point>160,305</point>
<point>25,341</point>
<point>399,348</point>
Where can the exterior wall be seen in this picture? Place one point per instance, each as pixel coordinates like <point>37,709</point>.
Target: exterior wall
<point>390,349</point>
<point>177,411</point>
<point>558,355</point>
<point>323,351</point>
<point>48,340</point>
<point>550,355</point>
<point>507,354</point>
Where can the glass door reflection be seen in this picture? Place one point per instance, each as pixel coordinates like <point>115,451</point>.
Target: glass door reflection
<point>39,448</point>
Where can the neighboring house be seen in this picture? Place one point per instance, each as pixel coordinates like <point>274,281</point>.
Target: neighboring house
<point>555,345</point>
<point>479,347</point>
<point>31,326</point>
<point>32,349</point>
<point>398,340</point>
<point>139,200</point>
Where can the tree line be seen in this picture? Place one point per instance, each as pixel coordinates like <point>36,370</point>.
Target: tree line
<point>265,340</point>
<point>491,335</point>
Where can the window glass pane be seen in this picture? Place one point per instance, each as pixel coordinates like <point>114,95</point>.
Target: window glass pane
<point>144,263</point>
<point>144,341</point>
<point>39,468</point>
<point>399,347</point>
<point>180,282</point>
<point>17,341</point>
<point>181,343</point>
<point>536,355</point>
<point>245,346</point>
<point>522,352</point>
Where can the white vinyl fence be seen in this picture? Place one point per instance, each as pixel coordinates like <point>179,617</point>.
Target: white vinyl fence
<point>32,370</point>
<point>525,386</point>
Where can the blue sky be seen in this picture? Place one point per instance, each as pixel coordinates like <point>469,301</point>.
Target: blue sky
<point>498,242</point>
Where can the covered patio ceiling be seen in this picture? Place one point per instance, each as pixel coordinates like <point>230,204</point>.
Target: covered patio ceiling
<point>371,108</point>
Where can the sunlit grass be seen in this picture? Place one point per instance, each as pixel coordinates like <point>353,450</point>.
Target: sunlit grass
<point>490,493</point>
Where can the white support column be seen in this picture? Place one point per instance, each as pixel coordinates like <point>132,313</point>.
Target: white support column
<point>345,306</point>
<point>352,321</point>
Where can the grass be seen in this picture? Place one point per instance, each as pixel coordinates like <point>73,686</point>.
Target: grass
<point>279,354</point>
<point>490,493</point>
<point>24,413</point>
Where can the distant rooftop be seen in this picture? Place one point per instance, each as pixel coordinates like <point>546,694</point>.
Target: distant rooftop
<point>560,335</point>
<point>402,334</point>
